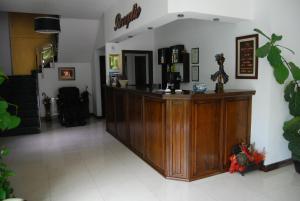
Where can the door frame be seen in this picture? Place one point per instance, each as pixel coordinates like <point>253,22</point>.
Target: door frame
<point>150,61</point>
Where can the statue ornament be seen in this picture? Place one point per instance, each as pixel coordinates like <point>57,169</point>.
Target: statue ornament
<point>221,77</point>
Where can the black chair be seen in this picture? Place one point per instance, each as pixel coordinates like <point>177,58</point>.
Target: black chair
<point>71,107</point>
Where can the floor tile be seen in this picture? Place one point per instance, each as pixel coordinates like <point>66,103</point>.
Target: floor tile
<point>88,164</point>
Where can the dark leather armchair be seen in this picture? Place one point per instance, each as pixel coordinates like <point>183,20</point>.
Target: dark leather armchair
<point>71,107</point>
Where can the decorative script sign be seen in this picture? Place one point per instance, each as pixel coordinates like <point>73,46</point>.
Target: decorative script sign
<point>246,60</point>
<point>125,21</point>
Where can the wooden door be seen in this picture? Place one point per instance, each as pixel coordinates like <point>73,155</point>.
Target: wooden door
<point>140,70</point>
<point>136,123</point>
<point>237,124</point>
<point>154,116</point>
<point>121,116</point>
<point>206,138</point>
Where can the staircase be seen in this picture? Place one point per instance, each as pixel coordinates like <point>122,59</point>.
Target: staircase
<point>23,92</point>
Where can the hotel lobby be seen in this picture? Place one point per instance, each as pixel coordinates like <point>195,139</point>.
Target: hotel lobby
<point>161,100</point>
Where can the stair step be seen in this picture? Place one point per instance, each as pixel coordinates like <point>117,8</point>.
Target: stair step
<point>22,91</point>
<point>28,113</point>
<point>27,106</point>
<point>20,131</point>
<point>29,122</point>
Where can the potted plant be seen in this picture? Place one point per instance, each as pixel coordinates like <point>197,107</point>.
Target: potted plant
<point>245,158</point>
<point>282,69</point>
<point>7,121</point>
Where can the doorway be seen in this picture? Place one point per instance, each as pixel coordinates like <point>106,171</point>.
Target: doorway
<point>138,67</point>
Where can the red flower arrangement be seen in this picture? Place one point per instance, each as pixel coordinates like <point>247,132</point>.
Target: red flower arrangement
<point>244,158</point>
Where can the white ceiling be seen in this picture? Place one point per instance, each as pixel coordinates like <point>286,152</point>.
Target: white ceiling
<point>89,9</point>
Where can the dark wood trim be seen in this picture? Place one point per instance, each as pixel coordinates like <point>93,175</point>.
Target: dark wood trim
<point>150,61</point>
<point>274,166</point>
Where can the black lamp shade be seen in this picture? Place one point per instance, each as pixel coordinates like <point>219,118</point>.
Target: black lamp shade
<point>47,24</point>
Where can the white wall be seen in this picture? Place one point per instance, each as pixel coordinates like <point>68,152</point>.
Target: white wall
<point>269,109</point>
<point>77,40</point>
<point>99,49</point>
<point>229,8</point>
<point>5,54</point>
<point>49,83</point>
<point>151,11</point>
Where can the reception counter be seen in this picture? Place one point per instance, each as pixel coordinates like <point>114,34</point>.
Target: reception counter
<point>183,136</point>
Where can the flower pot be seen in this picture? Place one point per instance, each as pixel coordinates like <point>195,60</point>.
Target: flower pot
<point>297,166</point>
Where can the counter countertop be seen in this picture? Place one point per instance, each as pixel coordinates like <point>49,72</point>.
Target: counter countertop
<point>185,94</point>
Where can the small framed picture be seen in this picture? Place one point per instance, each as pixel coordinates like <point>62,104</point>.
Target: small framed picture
<point>195,56</point>
<point>246,60</point>
<point>66,73</point>
<point>195,73</point>
<point>114,62</point>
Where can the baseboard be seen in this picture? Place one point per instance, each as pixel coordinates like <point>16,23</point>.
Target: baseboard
<point>274,166</point>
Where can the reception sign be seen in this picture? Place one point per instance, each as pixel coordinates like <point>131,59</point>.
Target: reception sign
<point>126,20</point>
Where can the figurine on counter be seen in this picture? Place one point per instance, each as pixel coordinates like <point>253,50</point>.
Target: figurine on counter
<point>220,75</point>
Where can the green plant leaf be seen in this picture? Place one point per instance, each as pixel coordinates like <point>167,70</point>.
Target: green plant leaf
<point>4,152</point>
<point>14,122</point>
<point>295,70</point>
<point>3,106</point>
<point>262,33</point>
<point>274,56</point>
<point>2,194</point>
<point>289,91</point>
<point>281,72</point>
<point>263,51</point>
<point>275,38</point>
<point>296,157</point>
<point>294,146</point>
<point>294,104</point>
<point>2,77</point>
<point>292,125</point>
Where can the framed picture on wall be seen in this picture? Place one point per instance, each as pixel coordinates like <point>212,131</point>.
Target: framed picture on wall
<point>246,60</point>
<point>66,73</point>
<point>195,56</point>
<point>114,62</point>
<point>195,73</point>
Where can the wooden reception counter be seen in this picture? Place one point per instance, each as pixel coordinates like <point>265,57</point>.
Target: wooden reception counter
<point>183,136</point>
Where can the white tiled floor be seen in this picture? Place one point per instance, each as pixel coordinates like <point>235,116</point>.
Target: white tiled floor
<point>87,164</point>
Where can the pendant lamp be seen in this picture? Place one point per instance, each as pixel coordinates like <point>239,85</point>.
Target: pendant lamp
<point>47,24</point>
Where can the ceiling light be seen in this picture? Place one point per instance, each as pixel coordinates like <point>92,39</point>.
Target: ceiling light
<point>180,15</point>
<point>47,24</point>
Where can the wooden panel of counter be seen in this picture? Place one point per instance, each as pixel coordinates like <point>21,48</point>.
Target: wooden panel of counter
<point>183,136</point>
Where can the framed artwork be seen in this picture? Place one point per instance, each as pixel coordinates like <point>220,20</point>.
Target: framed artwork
<point>246,60</point>
<point>195,56</point>
<point>66,73</point>
<point>114,62</point>
<point>195,73</point>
